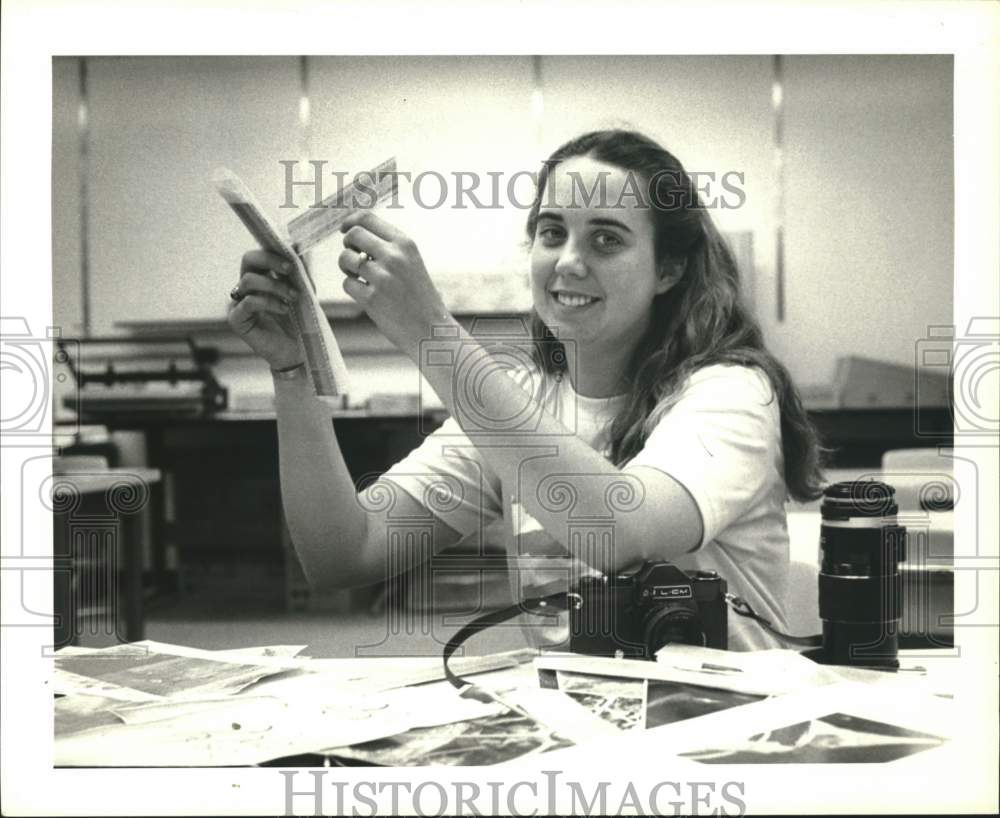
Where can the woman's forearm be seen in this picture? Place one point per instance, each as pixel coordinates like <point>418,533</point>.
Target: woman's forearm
<point>327,525</point>
<point>555,475</point>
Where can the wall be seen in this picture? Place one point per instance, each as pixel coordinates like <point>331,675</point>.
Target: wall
<point>163,243</point>
<point>67,252</point>
<point>868,169</point>
<point>869,203</point>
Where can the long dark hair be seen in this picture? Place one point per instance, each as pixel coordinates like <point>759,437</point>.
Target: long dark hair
<point>701,320</point>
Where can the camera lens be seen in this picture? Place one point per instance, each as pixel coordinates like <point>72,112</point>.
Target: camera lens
<point>859,581</point>
<point>672,624</point>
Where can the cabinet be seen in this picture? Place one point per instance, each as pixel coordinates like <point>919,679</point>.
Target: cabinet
<point>97,554</point>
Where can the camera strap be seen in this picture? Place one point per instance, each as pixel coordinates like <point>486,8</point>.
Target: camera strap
<point>741,607</point>
<point>552,596</point>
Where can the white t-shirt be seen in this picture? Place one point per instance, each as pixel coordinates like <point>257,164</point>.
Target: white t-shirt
<point>721,440</point>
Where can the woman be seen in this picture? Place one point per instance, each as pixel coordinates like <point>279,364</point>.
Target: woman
<point>650,424</point>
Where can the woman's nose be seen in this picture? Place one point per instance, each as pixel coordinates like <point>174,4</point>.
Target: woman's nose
<point>570,261</point>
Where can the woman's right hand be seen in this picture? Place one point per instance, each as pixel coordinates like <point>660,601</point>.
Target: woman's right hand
<point>262,316</point>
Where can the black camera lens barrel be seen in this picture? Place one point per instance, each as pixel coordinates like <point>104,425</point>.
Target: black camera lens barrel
<point>858,600</point>
<point>862,550</point>
<point>853,500</point>
<point>860,588</point>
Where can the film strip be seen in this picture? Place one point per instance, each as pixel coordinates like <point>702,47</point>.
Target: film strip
<point>367,190</point>
<point>323,357</point>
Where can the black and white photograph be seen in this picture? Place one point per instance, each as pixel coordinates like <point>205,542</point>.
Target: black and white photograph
<point>366,389</point>
<point>837,738</point>
<point>668,702</point>
<point>620,702</point>
<point>477,742</point>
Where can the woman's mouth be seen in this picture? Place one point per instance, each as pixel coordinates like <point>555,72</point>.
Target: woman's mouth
<point>576,300</point>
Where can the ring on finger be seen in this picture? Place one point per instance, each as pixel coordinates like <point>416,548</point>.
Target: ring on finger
<point>236,294</point>
<point>363,258</point>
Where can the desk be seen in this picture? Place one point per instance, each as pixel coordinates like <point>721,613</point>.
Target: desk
<point>97,553</point>
<point>859,437</point>
<point>267,705</point>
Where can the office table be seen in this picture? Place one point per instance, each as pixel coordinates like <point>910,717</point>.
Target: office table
<point>174,706</point>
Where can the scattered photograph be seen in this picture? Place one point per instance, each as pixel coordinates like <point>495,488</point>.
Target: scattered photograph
<point>162,674</point>
<point>618,701</point>
<point>838,738</point>
<point>475,743</point>
<point>669,702</point>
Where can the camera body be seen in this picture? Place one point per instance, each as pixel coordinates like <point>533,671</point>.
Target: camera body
<point>634,614</point>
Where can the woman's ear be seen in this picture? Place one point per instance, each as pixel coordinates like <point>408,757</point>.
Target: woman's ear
<point>670,271</point>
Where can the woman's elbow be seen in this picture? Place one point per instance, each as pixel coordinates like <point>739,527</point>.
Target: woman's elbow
<point>327,571</point>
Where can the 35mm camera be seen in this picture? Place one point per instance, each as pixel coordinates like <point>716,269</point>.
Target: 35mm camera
<point>634,614</point>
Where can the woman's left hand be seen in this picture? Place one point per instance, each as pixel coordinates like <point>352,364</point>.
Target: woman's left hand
<point>386,275</point>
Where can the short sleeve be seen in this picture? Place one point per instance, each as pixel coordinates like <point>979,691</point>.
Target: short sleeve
<point>721,440</point>
<point>449,476</point>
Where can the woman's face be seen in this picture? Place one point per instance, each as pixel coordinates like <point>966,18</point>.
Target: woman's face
<point>593,270</point>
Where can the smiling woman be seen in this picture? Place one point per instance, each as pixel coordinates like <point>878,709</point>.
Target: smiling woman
<point>648,407</point>
<point>594,272</point>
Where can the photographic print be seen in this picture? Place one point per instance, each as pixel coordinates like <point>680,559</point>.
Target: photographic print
<point>492,300</point>
<point>668,702</point>
<point>479,742</point>
<point>618,701</point>
<point>834,739</point>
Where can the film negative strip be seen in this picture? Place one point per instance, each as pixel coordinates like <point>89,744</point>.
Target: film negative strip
<point>323,357</point>
<point>367,190</point>
<point>324,361</point>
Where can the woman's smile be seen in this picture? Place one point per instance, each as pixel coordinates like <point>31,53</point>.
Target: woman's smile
<point>573,300</point>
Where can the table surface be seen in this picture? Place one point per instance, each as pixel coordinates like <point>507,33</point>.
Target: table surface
<point>110,741</point>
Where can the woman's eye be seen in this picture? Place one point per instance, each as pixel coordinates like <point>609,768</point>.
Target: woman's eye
<point>607,241</point>
<point>550,235</point>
